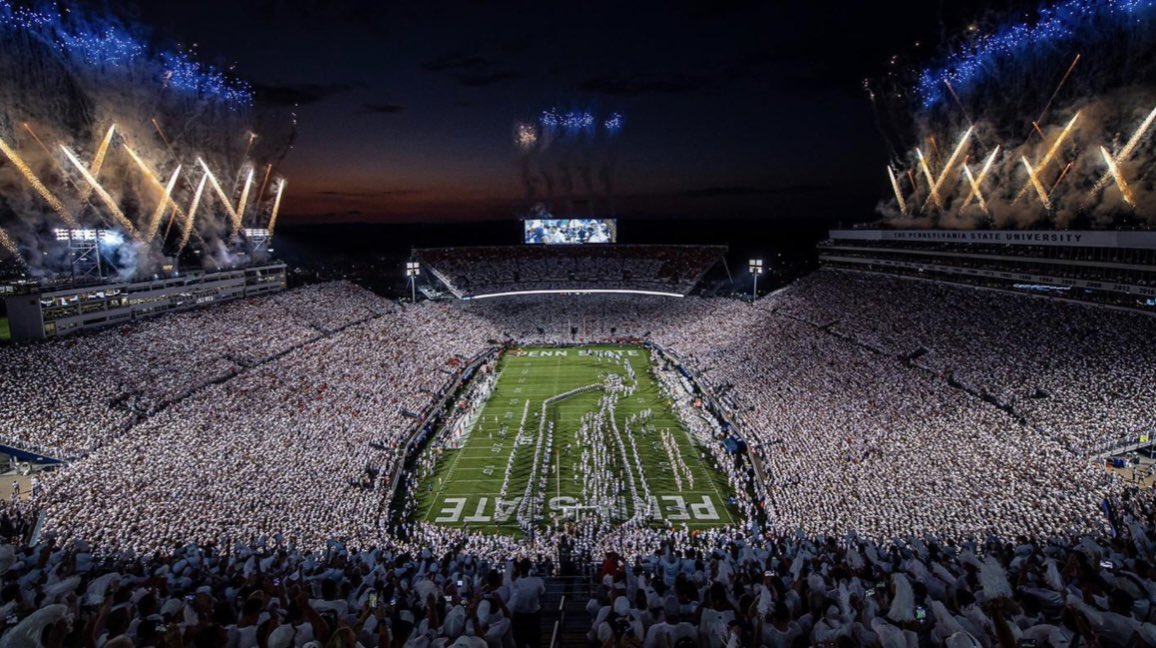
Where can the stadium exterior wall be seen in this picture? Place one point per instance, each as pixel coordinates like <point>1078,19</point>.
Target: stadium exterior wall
<point>1144,291</point>
<point>37,314</point>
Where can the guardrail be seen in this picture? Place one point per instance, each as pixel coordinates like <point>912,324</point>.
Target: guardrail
<point>558,622</point>
<point>34,537</point>
<point>450,393</point>
<point>717,409</point>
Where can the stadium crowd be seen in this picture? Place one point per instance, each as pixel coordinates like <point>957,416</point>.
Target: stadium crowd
<point>840,423</point>
<point>108,379</point>
<point>917,415</point>
<point>482,270</point>
<point>796,590</point>
<point>673,589</point>
<point>1035,355</point>
<point>281,447</point>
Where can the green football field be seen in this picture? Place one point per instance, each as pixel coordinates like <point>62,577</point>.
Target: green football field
<point>465,490</point>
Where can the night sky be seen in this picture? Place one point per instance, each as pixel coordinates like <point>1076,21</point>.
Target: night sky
<point>406,111</point>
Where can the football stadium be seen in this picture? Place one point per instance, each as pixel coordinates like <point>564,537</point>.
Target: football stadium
<point>398,407</point>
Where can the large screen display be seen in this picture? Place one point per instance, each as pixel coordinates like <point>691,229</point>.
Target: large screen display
<point>571,231</point>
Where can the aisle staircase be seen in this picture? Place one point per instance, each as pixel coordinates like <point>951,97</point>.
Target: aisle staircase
<point>564,618</point>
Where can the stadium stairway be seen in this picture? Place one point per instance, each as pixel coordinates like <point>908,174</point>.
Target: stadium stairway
<point>564,618</point>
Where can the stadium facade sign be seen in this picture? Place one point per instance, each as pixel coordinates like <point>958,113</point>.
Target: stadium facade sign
<point>1087,239</point>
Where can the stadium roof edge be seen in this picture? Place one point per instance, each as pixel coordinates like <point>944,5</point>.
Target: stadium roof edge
<point>574,291</point>
<point>591,246</point>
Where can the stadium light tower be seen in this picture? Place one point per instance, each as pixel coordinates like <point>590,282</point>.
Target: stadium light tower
<point>412,270</point>
<point>756,267</point>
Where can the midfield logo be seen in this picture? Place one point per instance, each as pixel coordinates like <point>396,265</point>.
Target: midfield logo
<point>671,508</point>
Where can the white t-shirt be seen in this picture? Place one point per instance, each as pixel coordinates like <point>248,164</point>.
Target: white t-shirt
<point>525,595</point>
<point>663,634</point>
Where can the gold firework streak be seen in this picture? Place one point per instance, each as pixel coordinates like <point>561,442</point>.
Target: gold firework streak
<point>242,203</point>
<point>7,243</point>
<point>236,218</point>
<point>1052,150</point>
<point>947,168</point>
<point>155,180</point>
<point>1114,171</point>
<point>98,161</point>
<point>1125,152</point>
<point>977,182</point>
<point>276,208</point>
<point>155,221</point>
<point>113,208</point>
<point>1043,194</point>
<point>898,193</point>
<point>930,181</point>
<point>37,185</point>
<point>188,228</point>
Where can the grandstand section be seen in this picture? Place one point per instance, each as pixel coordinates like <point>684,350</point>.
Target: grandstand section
<point>863,402</point>
<point>37,311</point>
<point>842,379</point>
<point>113,379</point>
<point>1107,267</point>
<point>481,272</point>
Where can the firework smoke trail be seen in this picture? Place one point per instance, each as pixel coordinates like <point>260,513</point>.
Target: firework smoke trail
<point>37,185</point>
<point>1044,112</point>
<point>898,193</point>
<point>155,222</point>
<point>188,228</point>
<point>1035,181</point>
<point>242,203</point>
<point>526,140</point>
<point>43,147</point>
<point>930,181</point>
<point>959,104</point>
<point>249,146</point>
<point>947,168</point>
<point>1052,150</point>
<point>1124,153</point>
<point>977,181</point>
<point>276,208</point>
<point>221,194</point>
<point>584,172</point>
<point>567,184</point>
<point>113,208</point>
<point>1118,177</point>
<point>164,139</point>
<point>1063,174</point>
